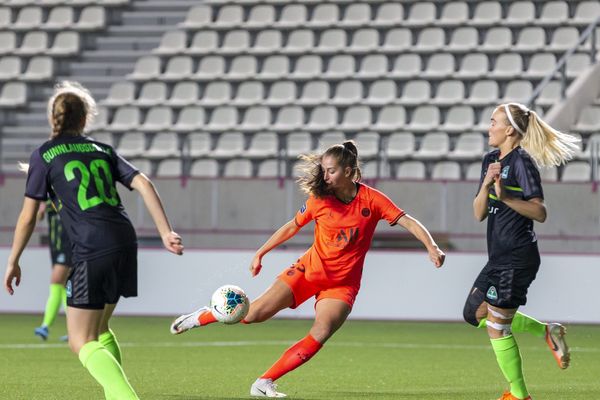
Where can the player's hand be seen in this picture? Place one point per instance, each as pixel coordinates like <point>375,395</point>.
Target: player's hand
<point>499,189</point>
<point>13,271</point>
<point>172,242</point>
<point>256,265</point>
<point>437,256</point>
<point>493,173</point>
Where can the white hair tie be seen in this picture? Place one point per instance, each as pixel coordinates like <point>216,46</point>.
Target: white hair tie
<point>510,117</point>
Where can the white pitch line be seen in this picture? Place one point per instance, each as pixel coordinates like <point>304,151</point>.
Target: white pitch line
<point>244,343</point>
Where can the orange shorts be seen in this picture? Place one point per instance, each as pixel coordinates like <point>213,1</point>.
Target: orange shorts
<point>303,289</point>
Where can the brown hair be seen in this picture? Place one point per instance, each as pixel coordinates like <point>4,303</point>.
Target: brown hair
<point>70,110</point>
<point>312,181</point>
<point>546,145</point>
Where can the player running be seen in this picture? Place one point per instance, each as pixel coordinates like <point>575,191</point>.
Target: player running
<point>79,176</point>
<point>346,213</point>
<point>510,196</point>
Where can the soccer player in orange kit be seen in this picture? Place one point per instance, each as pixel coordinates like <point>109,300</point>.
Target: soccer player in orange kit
<point>346,213</point>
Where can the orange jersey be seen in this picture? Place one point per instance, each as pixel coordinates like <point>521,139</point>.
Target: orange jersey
<point>343,233</point>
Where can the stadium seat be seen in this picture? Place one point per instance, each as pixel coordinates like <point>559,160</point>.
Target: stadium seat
<point>281,93</point>
<point>356,118</point>
<point>13,94</point>
<point>347,92</point>
<point>484,92</point>
<point>164,145</point>
<point>420,14</point>
<point>204,169</point>
<point>329,139</point>
<point>459,119</point>
<point>551,93</point>
<point>29,18</point>
<point>289,118</point>
<point>363,41</point>
<point>152,94</point>
<point>473,66</point>
<point>235,42</point>
<point>270,169</point>
<point>59,18</point>
<point>190,119</point>
<point>65,44</point>
<point>216,93</point>
<point>198,17</point>
<point>5,18</point>
<point>275,67</point>
<point>497,40</point>
<point>373,66</point>
<point>483,122</point>
<point>469,146</point>
<point>242,67</point>
<point>368,145</point>
<point>340,66</point>
<point>299,41</point>
<point>157,119</point>
<point>563,39</point>
<point>463,39</point>
<point>577,171</point>
<point>433,146</point>
<point>554,13</point>
<point>40,68</point>
<point>91,18</point>
<point>322,118</point>
<point>307,67</point>
<point>397,40</point>
<point>585,13</point>
<point>10,68</point>
<point>424,119</point>
<point>103,137</point>
<point>454,14</point>
<point>209,68</point>
<point>401,145</point>
<point>518,92</point>
<point>100,121</point>
<point>267,42</point>
<point>203,42</point>
<point>178,68</point>
<point>324,15</point>
<point>388,15</point>
<point>331,41</point>
<point>473,171</point>
<point>356,15</point>
<point>125,119</point>
<point>531,40</point>
<point>183,94</point>
<point>406,66</point>
<point>260,16</point>
<point>520,13</point>
<point>298,143</point>
<point>389,119</point>
<point>449,92</point>
<point>223,119</point>
<point>589,120</point>
<point>370,169</point>
<point>143,165</point>
<point>172,42</point>
<point>229,16</point>
<point>120,94</point>
<point>171,168</point>
<point>430,40</point>
<point>540,65</point>
<point>439,66</point>
<point>146,68</point>
<point>577,64</point>
<point>508,66</point>
<point>487,13</point>
<point>199,144</point>
<point>33,43</point>
<point>255,118</point>
<point>132,144</point>
<point>411,170</point>
<point>238,168</point>
<point>381,92</point>
<point>314,93</point>
<point>262,145</point>
<point>249,93</point>
<point>229,145</point>
<point>446,170</point>
<point>292,15</point>
<point>415,92</point>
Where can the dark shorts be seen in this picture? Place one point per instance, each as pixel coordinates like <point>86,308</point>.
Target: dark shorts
<point>506,287</point>
<point>103,280</point>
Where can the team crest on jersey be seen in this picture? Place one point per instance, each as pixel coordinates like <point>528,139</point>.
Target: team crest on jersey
<point>365,212</point>
<point>505,170</point>
<point>303,208</point>
<point>492,293</point>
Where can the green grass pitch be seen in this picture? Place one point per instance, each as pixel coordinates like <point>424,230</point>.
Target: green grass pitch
<point>364,360</point>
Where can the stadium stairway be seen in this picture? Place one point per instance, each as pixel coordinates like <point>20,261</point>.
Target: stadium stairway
<point>105,57</point>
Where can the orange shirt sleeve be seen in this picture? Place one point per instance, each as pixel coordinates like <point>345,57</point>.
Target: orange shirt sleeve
<point>306,213</point>
<point>386,208</point>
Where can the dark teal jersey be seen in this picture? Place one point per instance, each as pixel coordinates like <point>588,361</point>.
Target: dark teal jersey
<point>79,176</point>
<point>507,230</point>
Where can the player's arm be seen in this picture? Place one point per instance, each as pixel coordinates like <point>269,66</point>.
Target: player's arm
<point>534,208</point>
<point>171,240</point>
<point>282,234</point>
<point>480,204</point>
<point>419,231</point>
<point>23,231</point>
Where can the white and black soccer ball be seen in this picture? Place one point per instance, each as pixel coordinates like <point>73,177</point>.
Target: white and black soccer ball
<point>229,304</point>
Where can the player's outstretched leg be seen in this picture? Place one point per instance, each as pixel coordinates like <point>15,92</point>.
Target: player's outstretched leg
<point>185,322</point>
<point>555,338</point>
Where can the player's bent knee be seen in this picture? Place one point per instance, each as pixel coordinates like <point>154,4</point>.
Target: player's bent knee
<point>474,301</point>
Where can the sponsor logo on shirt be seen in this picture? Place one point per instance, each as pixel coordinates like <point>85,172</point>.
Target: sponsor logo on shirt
<point>69,288</point>
<point>505,170</point>
<point>303,208</point>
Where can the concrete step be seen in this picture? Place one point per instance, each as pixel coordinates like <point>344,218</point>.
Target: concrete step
<point>127,43</point>
<point>113,56</point>
<point>163,6</point>
<point>101,69</point>
<point>170,18</point>
<point>141,31</point>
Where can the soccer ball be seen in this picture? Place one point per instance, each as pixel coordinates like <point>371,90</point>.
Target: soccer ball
<point>229,304</point>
